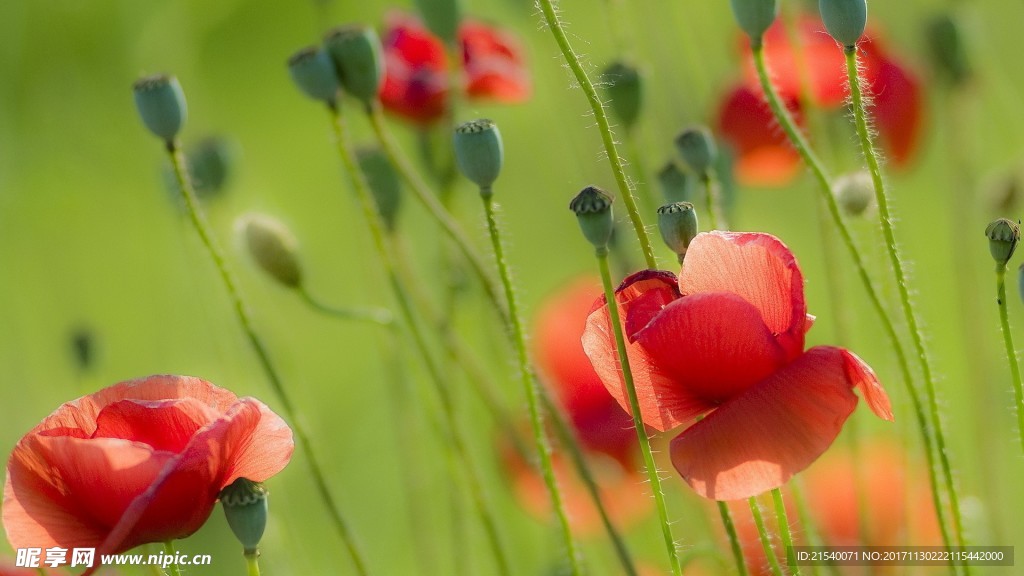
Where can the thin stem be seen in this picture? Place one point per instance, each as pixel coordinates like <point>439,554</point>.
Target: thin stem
<point>169,550</point>
<point>1011,352</point>
<point>387,257</point>
<point>252,564</point>
<point>529,385</point>
<point>634,405</point>
<point>812,530</point>
<point>711,204</point>
<point>885,220</point>
<point>787,537</point>
<point>242,312</point>
<point>379,316</point>
<point>642,183</point>
<point>785,120</point>
<point>601,117</point>
<point>734,539</point>
<point>762,533</point>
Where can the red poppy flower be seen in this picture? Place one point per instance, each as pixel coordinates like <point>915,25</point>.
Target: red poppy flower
<point>725,341</point>
<point>140,461</point>
<point>417,77</point>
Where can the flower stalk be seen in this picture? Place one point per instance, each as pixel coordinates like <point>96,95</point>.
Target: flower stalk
<point>762,534</point>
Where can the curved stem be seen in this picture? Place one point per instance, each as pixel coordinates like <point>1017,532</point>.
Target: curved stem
<point>762,533</point>
<point>711,204</point>
<point>252,564</point>
<point>601,117</point>
<point>169,551</point>
<point>379,316</point>
<point>529,385</point>
<point>1011,352</point>
<point>734,539</point>
<point>785,120</point>
<point>634,405</point>
<point>885,220</point>
<point>787,537</point>
<point>242,312</point>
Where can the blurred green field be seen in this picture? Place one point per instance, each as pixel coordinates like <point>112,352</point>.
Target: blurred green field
<point>89,238</point>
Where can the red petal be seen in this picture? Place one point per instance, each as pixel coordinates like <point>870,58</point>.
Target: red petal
<point>759,440</point>
<point>896,107</point>
<point>416,79</point>
<point>493,63</point>
<point>663,404</point>
<point>164,425</point>
<point>764,156</point>
<point>757,267</point>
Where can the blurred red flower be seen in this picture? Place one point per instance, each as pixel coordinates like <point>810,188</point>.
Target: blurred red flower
<point>764,154</point>
<point>141,461</point>
<point>726,341</point>
<point>417,78</point>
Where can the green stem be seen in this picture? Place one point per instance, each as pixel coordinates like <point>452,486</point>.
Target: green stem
<point>1011,352</point>
<point>787,537</point>
<point>642,183</point>
<point>387,257</point>
<point>379,316</point>
<point>711,203</point>
<point>169,550</point>
<point>529,385</point>
<point>634,405</point>
<point>734,539</point>
<point>252,564</point>
<point>885,220</point>
<point>242,312</point>
<point>811,529</point>
<point>601,117</point>
<point>796,138</point>
<point>762,533</point>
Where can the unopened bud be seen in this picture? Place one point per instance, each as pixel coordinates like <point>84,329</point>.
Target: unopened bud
<point>678,225</point>
<point>210,164</point>
<point>384,183</point>
<point>754,17</point>
<point>676,185</point>
<point>313,72</point>
<point>854,192</point>
<point>624,86</point>
<point>161,105</point>
<point>844,19</point>
<point>593,208</point>
<point>698,150</point>
<point>946,43</point>
<point>356,52</point>
<point>273,247</point>
<point>479,152</point>
<point>442,18</point>
<point>245,507</point>
<point>1003,235</point>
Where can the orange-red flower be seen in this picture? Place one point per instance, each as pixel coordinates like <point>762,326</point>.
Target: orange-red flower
<point>764,155</point>
<point>141,461</point>
<point>417,78</point>
<point>725,341</point>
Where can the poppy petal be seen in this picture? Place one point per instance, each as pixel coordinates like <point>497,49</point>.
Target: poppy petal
<point>416,79</point>
<point>896,107</point>
<point>759,440</point>
<point>764,156</point>
<point>492,60</point>
<point>757,267</point>
<point>165,425</point>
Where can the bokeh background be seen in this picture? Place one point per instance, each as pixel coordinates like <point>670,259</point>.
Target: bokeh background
<point>91,242</point>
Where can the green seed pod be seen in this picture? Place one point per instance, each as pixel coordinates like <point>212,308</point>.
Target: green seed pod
<point>678,225</point>
<point>384,183</point>
<point>624,86</point>
<point>356,52</point>
<point>210,164</point>
<point>1003,236</point>
<point>479,152</point>
<point>593,208</point>
<point>697,148</point>
<point>676,185</point>
<point>855,192</point>
<point>948,53</point>
<point>844,19</point>
<point>313,72</point>
<point>754,17</point>
<point>161,105</point>
<point>245,507</point>
<point>442,18</point>
<point>273,247</point>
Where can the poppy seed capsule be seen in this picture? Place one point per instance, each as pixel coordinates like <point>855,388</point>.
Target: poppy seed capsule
<point>442,18</point>
<point>384,183</point>
<point>624,86</point>
<point>161,105</point>
<point>948,53</point>
<point>754,17</point>
<point>854,192</point>
<point>593,208</point>
<point>245,507</point>
<point>844,19</point>
<point>313,72</point>
<point>273,247</point>
<point>1003,236</point>
<point>698,150</point>
<point>356,52</point>
<point>479,152</point>
<point>678,225</point>
<point>676,185</point>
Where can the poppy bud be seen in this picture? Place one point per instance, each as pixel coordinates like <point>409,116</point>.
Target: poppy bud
<point>855,192</point>
<point>245,506</point>
<point>442,18</point>
<point>313,72</point>
<point>698,150</point>
<point>356,52</point>
<point>678,225</point>
<point>624,86</point>
<point>161,105</point>
<point>273,247</point>
<point>210,163</point>
<point>479,152</point>
<point>676,185</point>
<point>946,43</point>
<point>754,17</point>
<point>384,183</point>
<point>593,208</point>
<point>844,19</point>
<point>1003,236</point>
